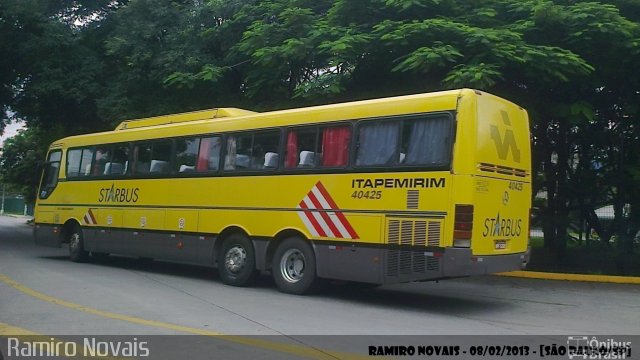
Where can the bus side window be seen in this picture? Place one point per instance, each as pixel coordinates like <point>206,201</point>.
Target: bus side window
<point>119,161</point>
<point>160,158</point>
<point>378,143</point>
<point>73,162</point>
<point>102,157</point>
<point>209,154</point>
<point>186,154</point>
<point>334,143</point>
<point>142,159</point>
<point>85,162</point>
<point>265,143</point>
<point>238,152</point>
<point>426,141</point>
<point>300,144</point>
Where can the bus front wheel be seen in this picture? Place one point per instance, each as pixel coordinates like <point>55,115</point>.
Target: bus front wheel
<point>237,261</point>
<point>77,253</point>
<point>294,267</point>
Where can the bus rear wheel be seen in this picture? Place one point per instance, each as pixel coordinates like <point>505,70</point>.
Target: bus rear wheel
<point>237,261</point>
<point>77,253</point>
<point>294,267</point>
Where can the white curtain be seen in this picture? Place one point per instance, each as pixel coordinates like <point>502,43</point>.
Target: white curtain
<point>378,143</point>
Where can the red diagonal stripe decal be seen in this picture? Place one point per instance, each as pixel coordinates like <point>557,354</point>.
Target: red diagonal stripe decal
<point>312,219</point>
<point>325,216</point>
<point>339,213</point>
<point>93,218</point>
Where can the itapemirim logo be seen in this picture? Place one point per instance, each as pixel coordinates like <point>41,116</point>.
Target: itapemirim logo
<point>508,143</point>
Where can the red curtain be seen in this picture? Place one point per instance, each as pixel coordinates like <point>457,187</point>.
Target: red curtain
<point>291,160</point>
<point>203,156</point>
<point>335,146</point>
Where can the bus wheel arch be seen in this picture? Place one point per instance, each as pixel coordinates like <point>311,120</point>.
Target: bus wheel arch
<point>294,267</point>
<point>235,257</point>
<point>275,242</point>
<point>72,234</point>
<point>66,228</point>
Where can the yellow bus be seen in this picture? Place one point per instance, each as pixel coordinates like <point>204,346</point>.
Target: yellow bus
<point>410,188</point>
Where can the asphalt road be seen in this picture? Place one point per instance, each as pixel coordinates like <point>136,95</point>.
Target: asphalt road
<point>42,292</point>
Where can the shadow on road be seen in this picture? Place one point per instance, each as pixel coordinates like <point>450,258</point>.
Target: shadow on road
<point>426,298</point>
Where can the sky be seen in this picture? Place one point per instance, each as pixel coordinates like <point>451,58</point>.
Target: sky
<point>10,131</point>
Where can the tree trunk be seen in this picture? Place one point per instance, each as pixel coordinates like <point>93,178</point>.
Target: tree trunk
<point>562,192</point>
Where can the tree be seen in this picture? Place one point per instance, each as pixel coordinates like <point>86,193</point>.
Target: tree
<point>20,159</point>
<point>572,64</point>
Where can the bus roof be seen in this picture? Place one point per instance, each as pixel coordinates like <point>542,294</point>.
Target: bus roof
<point>233,119</point>
<point>183,117</point>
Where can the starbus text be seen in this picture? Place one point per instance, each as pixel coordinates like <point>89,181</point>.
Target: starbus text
<point>118,195</point>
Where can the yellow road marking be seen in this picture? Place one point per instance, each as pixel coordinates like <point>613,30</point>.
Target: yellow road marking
<point>297,350</point>
<point>8,330</point>
<point>40,342</point>
<point>573,277</point>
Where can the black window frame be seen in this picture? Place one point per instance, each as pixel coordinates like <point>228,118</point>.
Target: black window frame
<point>152,175</point>
<point>174,155</point>
<point>450,116</point>
<point>102,176</point>
<point>351,167</point>
<point>249,170</point>
<point>318,168</point>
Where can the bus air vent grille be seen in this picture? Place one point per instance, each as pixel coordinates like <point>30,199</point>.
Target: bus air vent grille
<point>413,196</point>
<point>433,237</point>
<point>504,170</point>
<point>405,260</point>
<point>406,236</point>
<point>393,236</point>
<point>432,263</point>
<point>406,263</point>
<point>420,233</point>
<point>415,232</point>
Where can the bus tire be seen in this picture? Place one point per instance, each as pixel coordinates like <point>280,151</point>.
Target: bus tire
<point>77,253</point>
<point>237,261</point>
<point>294,267</point>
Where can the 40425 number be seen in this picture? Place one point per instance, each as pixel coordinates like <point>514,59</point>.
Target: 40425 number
<point>371,194</point>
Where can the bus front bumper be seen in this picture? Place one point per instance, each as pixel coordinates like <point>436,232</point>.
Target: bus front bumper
<point>46,235</point>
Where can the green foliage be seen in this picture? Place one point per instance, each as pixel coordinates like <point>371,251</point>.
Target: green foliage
<point>480,76</point>
<point>21,155</point>
<point>70,67</point>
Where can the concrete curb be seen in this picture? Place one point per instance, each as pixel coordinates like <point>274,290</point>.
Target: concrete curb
<point>573,277</point>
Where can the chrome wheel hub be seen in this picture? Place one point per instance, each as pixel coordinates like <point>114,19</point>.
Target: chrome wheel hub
<point>292,265</point>
<point>74,242</point>
<point>235,259</point>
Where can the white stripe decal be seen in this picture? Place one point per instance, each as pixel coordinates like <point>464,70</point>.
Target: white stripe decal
<point>327,218</point>
<point>336,221</point>
<point>332,215</point>
<point>307,223</point>
<point>88,218</point>
<point>319,218</point>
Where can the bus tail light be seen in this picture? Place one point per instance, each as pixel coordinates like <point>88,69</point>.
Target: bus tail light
<point>463,226</point>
